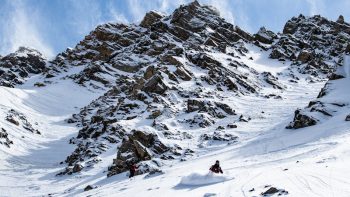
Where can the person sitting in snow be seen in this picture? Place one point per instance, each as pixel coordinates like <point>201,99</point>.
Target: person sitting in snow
<point>216,167</point>
<point>132,170</point>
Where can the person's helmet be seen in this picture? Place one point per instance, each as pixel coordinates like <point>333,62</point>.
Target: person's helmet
<point>217,162</point>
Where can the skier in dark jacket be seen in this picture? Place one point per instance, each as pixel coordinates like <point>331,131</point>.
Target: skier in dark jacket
<point>132,170</point>
<point>216,167</point>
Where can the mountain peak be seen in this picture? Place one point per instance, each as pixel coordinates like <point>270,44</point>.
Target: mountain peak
<point>23,51</point>
<point>195,16</point>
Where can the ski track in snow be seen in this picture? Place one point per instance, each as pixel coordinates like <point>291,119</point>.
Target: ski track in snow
<point>312,156</point>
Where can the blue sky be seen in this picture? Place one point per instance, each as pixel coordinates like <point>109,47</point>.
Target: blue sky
<point>53,25</point>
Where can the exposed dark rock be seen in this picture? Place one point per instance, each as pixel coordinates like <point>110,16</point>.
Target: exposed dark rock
<point>4,139</point>
<point>304,56</point>
<point>20,119</point>
<point>301,121</point>
<point>265,36</point>
<point>12,120</point>
<point>347,118</point>
<point>150,18</point>
<point>341,19</point>
<point>88,187</point>
<point>209,107</point>
<point>200,120</point>
<point>219,136</point>
<point>335,76</point>
<point>137,147</point>
<point>272,190</point>
<point>77,168</point>
<point>272,80</point>
<point>155,85</point>
<point>232,126</point>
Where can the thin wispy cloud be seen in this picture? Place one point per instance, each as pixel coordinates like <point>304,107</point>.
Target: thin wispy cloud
<point>115,15</point>
<point>22,30</point>
<point>316,7</point>
<point>224,8</point>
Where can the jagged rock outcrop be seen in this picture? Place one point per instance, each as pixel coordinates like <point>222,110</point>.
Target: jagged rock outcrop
<point>314,44</point>
<point>265,36</point>
<point>20,119</point>
<point>151,18</point>
<point>136,147</point>
<point>4,138</point>
<point>301,121</point>
<point>16,67</point>
<point>219,136</point>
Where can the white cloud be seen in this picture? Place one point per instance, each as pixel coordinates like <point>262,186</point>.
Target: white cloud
<point>224,8</point>
<point>22,30</point>
<point>115,15</point>
<point>316,7</point>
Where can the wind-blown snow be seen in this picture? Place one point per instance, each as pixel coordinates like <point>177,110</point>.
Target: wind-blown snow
<point>197,179</point>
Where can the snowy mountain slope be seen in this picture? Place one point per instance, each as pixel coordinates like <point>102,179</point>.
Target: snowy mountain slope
<point>173,95</point>
<point>33,155</point>
<point>275,109</point>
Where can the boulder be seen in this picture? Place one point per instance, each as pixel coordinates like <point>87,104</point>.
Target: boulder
<point>305,56</point>
<point>183,73</point>
<point>155,85</point>
<point>272,191</point>
<point>12,120</point>
<point>212,108</point>
<point>232,126</point>
<point>77,168</point>
<point>301,121</point>
<point>265,36</point>
<point>87,188</point>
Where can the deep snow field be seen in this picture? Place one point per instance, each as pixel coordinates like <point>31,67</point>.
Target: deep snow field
<point>312,161</point>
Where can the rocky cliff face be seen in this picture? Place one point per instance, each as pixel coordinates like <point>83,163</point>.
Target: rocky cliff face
<point>314,44</point>
<point>157,71</point>
<point>177,70</point>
